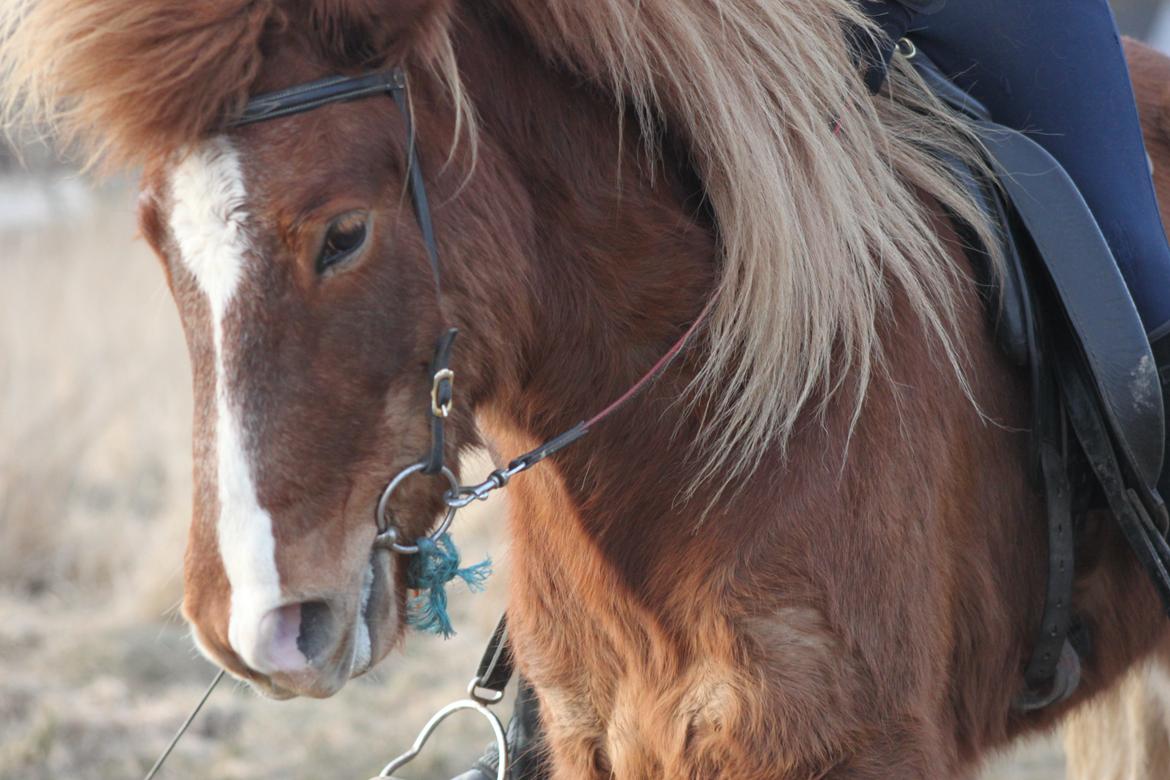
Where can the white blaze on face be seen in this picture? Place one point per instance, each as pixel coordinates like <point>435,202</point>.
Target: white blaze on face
<point>208,224</point>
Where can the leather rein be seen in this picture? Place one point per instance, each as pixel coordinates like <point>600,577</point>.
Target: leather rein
<point>336,89</point>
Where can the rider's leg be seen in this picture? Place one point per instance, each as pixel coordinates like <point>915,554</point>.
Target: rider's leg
<point>1055,69</point>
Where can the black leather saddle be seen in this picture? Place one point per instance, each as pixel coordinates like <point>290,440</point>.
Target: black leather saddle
<point>1062,309</point>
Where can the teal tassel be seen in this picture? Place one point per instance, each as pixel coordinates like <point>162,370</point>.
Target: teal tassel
<point>434,565</point>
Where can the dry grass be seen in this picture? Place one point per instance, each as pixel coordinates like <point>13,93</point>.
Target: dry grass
<point>95,668</point>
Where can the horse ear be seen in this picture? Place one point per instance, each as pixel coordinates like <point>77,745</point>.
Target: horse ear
<point>364,32</point>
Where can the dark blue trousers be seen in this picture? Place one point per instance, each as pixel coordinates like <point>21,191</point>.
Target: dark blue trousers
<point>1055,70</point>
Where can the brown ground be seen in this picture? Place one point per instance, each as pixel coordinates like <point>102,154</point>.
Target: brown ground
<point>96,669</point>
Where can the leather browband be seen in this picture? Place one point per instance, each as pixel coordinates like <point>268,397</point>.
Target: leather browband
<point>314,94</point>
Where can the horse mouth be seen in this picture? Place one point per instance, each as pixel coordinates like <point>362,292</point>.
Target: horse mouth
<point>372,613</point>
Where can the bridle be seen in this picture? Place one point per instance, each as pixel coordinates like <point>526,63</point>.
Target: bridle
<point>336,89</point>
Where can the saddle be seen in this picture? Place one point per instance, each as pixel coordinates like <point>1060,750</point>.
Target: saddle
<point>1061,310</point>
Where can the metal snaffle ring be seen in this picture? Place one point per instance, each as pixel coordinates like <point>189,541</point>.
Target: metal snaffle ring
<point>387,538</point>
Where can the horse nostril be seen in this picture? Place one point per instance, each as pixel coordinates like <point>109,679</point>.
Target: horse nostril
<point>316,634</point>
<point>288,639</point>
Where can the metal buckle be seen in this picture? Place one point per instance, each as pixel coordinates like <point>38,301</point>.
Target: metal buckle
<point>441,376</point>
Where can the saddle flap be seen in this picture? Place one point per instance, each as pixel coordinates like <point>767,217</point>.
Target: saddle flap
<point>1095,298</point>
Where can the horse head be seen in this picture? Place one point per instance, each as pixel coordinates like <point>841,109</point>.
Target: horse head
<point>311,315</point>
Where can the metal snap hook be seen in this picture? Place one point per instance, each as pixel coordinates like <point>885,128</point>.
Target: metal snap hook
<point>439,717</point>
<point>387,538</point>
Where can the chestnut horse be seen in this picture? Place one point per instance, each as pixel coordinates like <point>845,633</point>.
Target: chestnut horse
<point>808,551</point>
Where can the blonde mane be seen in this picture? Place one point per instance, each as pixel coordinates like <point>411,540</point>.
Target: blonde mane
<point>817,186</point>
<point>827,198</point>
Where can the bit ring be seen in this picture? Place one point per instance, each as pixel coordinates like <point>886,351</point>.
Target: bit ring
<point>387,538</point>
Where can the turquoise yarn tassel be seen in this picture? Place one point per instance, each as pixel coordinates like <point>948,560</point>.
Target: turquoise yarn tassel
<point>434,565</point>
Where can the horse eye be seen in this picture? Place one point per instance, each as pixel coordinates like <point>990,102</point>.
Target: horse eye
<point>343,238</point>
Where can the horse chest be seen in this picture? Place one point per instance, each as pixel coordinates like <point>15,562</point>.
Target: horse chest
<point>617,698</point>
<point>601,667</point>
<point>622,696</point>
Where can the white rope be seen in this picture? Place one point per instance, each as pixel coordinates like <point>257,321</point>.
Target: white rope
<point>183,729</point>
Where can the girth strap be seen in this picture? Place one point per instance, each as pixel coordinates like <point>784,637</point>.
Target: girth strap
<point>1054,669</point>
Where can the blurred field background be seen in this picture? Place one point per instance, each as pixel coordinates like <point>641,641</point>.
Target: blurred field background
<point>96,668</point>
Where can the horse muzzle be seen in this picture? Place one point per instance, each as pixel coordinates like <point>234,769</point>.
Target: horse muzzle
<point>312,647</point>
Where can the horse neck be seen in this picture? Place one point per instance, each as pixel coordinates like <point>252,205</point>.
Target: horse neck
<point>618,261</point>
<point>609,533</point>
<point>608,266</point>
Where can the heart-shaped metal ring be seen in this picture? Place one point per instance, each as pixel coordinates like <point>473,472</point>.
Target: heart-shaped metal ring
<point>432,724</point>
